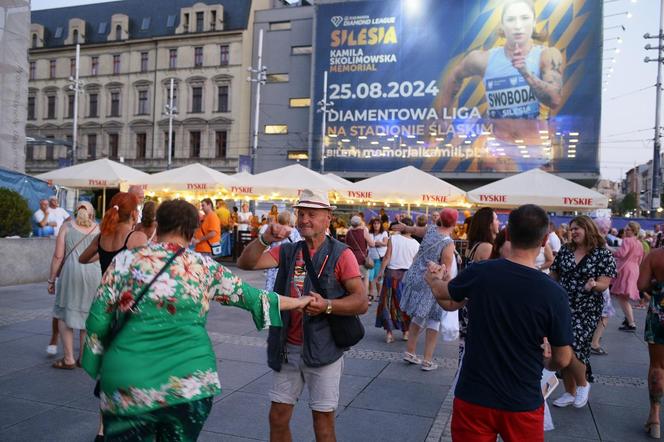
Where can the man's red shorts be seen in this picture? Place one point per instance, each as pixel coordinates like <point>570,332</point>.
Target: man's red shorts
<point>476,423</point>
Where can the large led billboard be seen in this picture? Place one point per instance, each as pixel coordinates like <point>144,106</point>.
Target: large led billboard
<point>458,86</point>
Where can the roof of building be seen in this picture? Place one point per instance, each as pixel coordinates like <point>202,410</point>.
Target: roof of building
<point>147,18</point>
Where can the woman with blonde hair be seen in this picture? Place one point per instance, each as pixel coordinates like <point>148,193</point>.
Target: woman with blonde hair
<point>628,256</point>
<point>584,268</point>
<point>76,284</point>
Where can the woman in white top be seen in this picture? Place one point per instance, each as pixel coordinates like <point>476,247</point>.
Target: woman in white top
<point>400,251</point>
<point>545,258</point>
<point>380,237</point>
<point>244,218</point>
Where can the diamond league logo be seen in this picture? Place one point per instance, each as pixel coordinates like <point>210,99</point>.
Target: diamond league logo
<point>336,20</point>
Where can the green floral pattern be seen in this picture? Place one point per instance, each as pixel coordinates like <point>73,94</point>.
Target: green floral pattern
<point>163,355</point>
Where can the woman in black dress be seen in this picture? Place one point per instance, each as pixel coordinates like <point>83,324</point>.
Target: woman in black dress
<point>584,268</point>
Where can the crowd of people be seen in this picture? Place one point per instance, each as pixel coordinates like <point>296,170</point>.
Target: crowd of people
<point>519,300</point>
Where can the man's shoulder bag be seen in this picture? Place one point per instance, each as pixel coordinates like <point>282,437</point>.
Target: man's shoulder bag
<point>346,330</point>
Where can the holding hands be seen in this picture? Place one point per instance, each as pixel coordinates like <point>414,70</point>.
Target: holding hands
<point>317,304</point>
<point>435,272</point>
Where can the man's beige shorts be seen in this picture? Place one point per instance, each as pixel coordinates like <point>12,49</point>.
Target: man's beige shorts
<point>323,382</point>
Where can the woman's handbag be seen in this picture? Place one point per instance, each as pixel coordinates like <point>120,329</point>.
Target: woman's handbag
<point>368,261</point>
<point>120,320</point>
<point>346,330</point>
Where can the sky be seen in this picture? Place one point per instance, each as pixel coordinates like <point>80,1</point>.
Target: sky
<point>628,105</point>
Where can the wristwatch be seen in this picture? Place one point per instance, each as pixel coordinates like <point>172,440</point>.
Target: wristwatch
<point>328,310</point>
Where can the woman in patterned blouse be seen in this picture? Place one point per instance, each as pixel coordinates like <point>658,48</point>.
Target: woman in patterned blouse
<point>158,375</point>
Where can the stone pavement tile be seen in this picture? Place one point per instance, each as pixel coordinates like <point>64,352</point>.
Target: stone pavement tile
<point>246,415</point>
<point>23,353</point>
<point>15,410</point>
<point>10,334</point>
<point>57,424</point>
<point>619,368</point>
<point>620,396</point>
<point>85,401</point>
<point>357,424</point>
<point>35,326</point>
<point>401,397</point>
<point>621,423</point>
<point>403,371</point>
<point>242,353</point>
<point>209,436</point>
<point>572,422</point>
<point>236,374</point>
<point>363,367</point>
<point>46,384</point>
<point>260,386</point>
<point>550,436</point>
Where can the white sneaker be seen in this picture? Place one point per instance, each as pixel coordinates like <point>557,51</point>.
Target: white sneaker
<point>581,398</point>
<point>564,400</point>
<point>52,350</point>
<point>411,358</point>
<point>428,366</point>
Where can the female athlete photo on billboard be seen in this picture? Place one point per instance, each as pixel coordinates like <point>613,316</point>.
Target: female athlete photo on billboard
<point>519,78</point>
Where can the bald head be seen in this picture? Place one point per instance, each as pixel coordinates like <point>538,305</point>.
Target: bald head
<point>138,191</point>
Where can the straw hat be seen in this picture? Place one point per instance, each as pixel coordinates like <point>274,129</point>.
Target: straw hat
<point>314,200</point>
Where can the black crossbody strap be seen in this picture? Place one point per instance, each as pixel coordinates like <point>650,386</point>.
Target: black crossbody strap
<point>311,271</point>
<point>119,323</point>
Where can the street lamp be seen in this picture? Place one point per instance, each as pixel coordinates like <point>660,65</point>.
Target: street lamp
<point>323,108</point>
<point>77,86</point>
<point>259,77</point>
<point>170,110</point>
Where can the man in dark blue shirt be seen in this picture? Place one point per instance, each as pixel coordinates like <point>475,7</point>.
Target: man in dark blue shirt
<point>519,323</point>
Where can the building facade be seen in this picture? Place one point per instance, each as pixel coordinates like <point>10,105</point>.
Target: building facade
<point>129,52</point>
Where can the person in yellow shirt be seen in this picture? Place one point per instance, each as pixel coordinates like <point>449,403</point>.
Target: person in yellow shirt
<point>209,232</point>
<point>226,224</point>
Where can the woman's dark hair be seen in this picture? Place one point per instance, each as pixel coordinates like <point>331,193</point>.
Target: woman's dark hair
<point>480,227</point>
<point>177,216</point>
<point>498,243</point>
<point>593,238</point>
<point>381,229</point>
<point>149,213</point>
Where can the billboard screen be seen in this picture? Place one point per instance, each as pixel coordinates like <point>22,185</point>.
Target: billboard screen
<point>458,86</point>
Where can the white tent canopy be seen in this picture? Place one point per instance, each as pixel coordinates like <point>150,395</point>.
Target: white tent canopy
<point>98,174</point>
<point>538,187</point>
<point>283,183</point>
<point>192,177</point>
<point>344,183</point>
<point>407,185</point>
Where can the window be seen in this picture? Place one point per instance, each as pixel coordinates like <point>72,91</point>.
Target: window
<point>70,106</point>
<point>72,67</point>
<point>33,70</point>
<point>113,144</point>
<point>276,129</point>
<point>34,40</point>
<point>94,66</point>
<point>197,99</point>
<point>92,146</point>
<point>50,148</point>
<point>170,21</point>
<point>75,36</point>
<point>118,33</point>
<point>172,144</point>
<point>299,102</point>
<point>29,152</point>
<point>141,144</point>
<point>145,24</point>
<point>298,155</point>
<point>200,17</point>
<point>102,28</point>
<point>186,22</point>
<point>277,78</point>
<point>58,32</point>
<point>194,144</point>
<point>222,99</point>
<point>115,104</point>
<point>280,26</point>
<point>116,64</point>
<point>223,55</point>
<point>94,107</point>
<point>172,58</point>
<point>144,61</point>
<point>167,94</point>
<point>221,143</point>
<point>31,108</point>
<point>142,102</point>
<point>300,50</point>
<point>213,20</point>
<point>50,106</point>
<point>51,68</point>
<point>198,57</point>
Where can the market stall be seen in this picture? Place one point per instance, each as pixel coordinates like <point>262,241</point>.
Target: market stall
<point>190,182</point>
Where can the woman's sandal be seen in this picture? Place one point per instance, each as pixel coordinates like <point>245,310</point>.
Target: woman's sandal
<point>652,428</point>
<point>599,351</point>
<point>60,364</point>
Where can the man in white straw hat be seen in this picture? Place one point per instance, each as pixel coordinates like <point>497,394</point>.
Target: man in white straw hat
<point>305,350</point>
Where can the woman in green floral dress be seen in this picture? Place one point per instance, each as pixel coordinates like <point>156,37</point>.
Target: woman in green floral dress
<point>158,375</point>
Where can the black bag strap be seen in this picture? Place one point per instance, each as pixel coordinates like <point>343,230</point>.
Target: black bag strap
<point>118,325</point>
<point>311,271</point>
